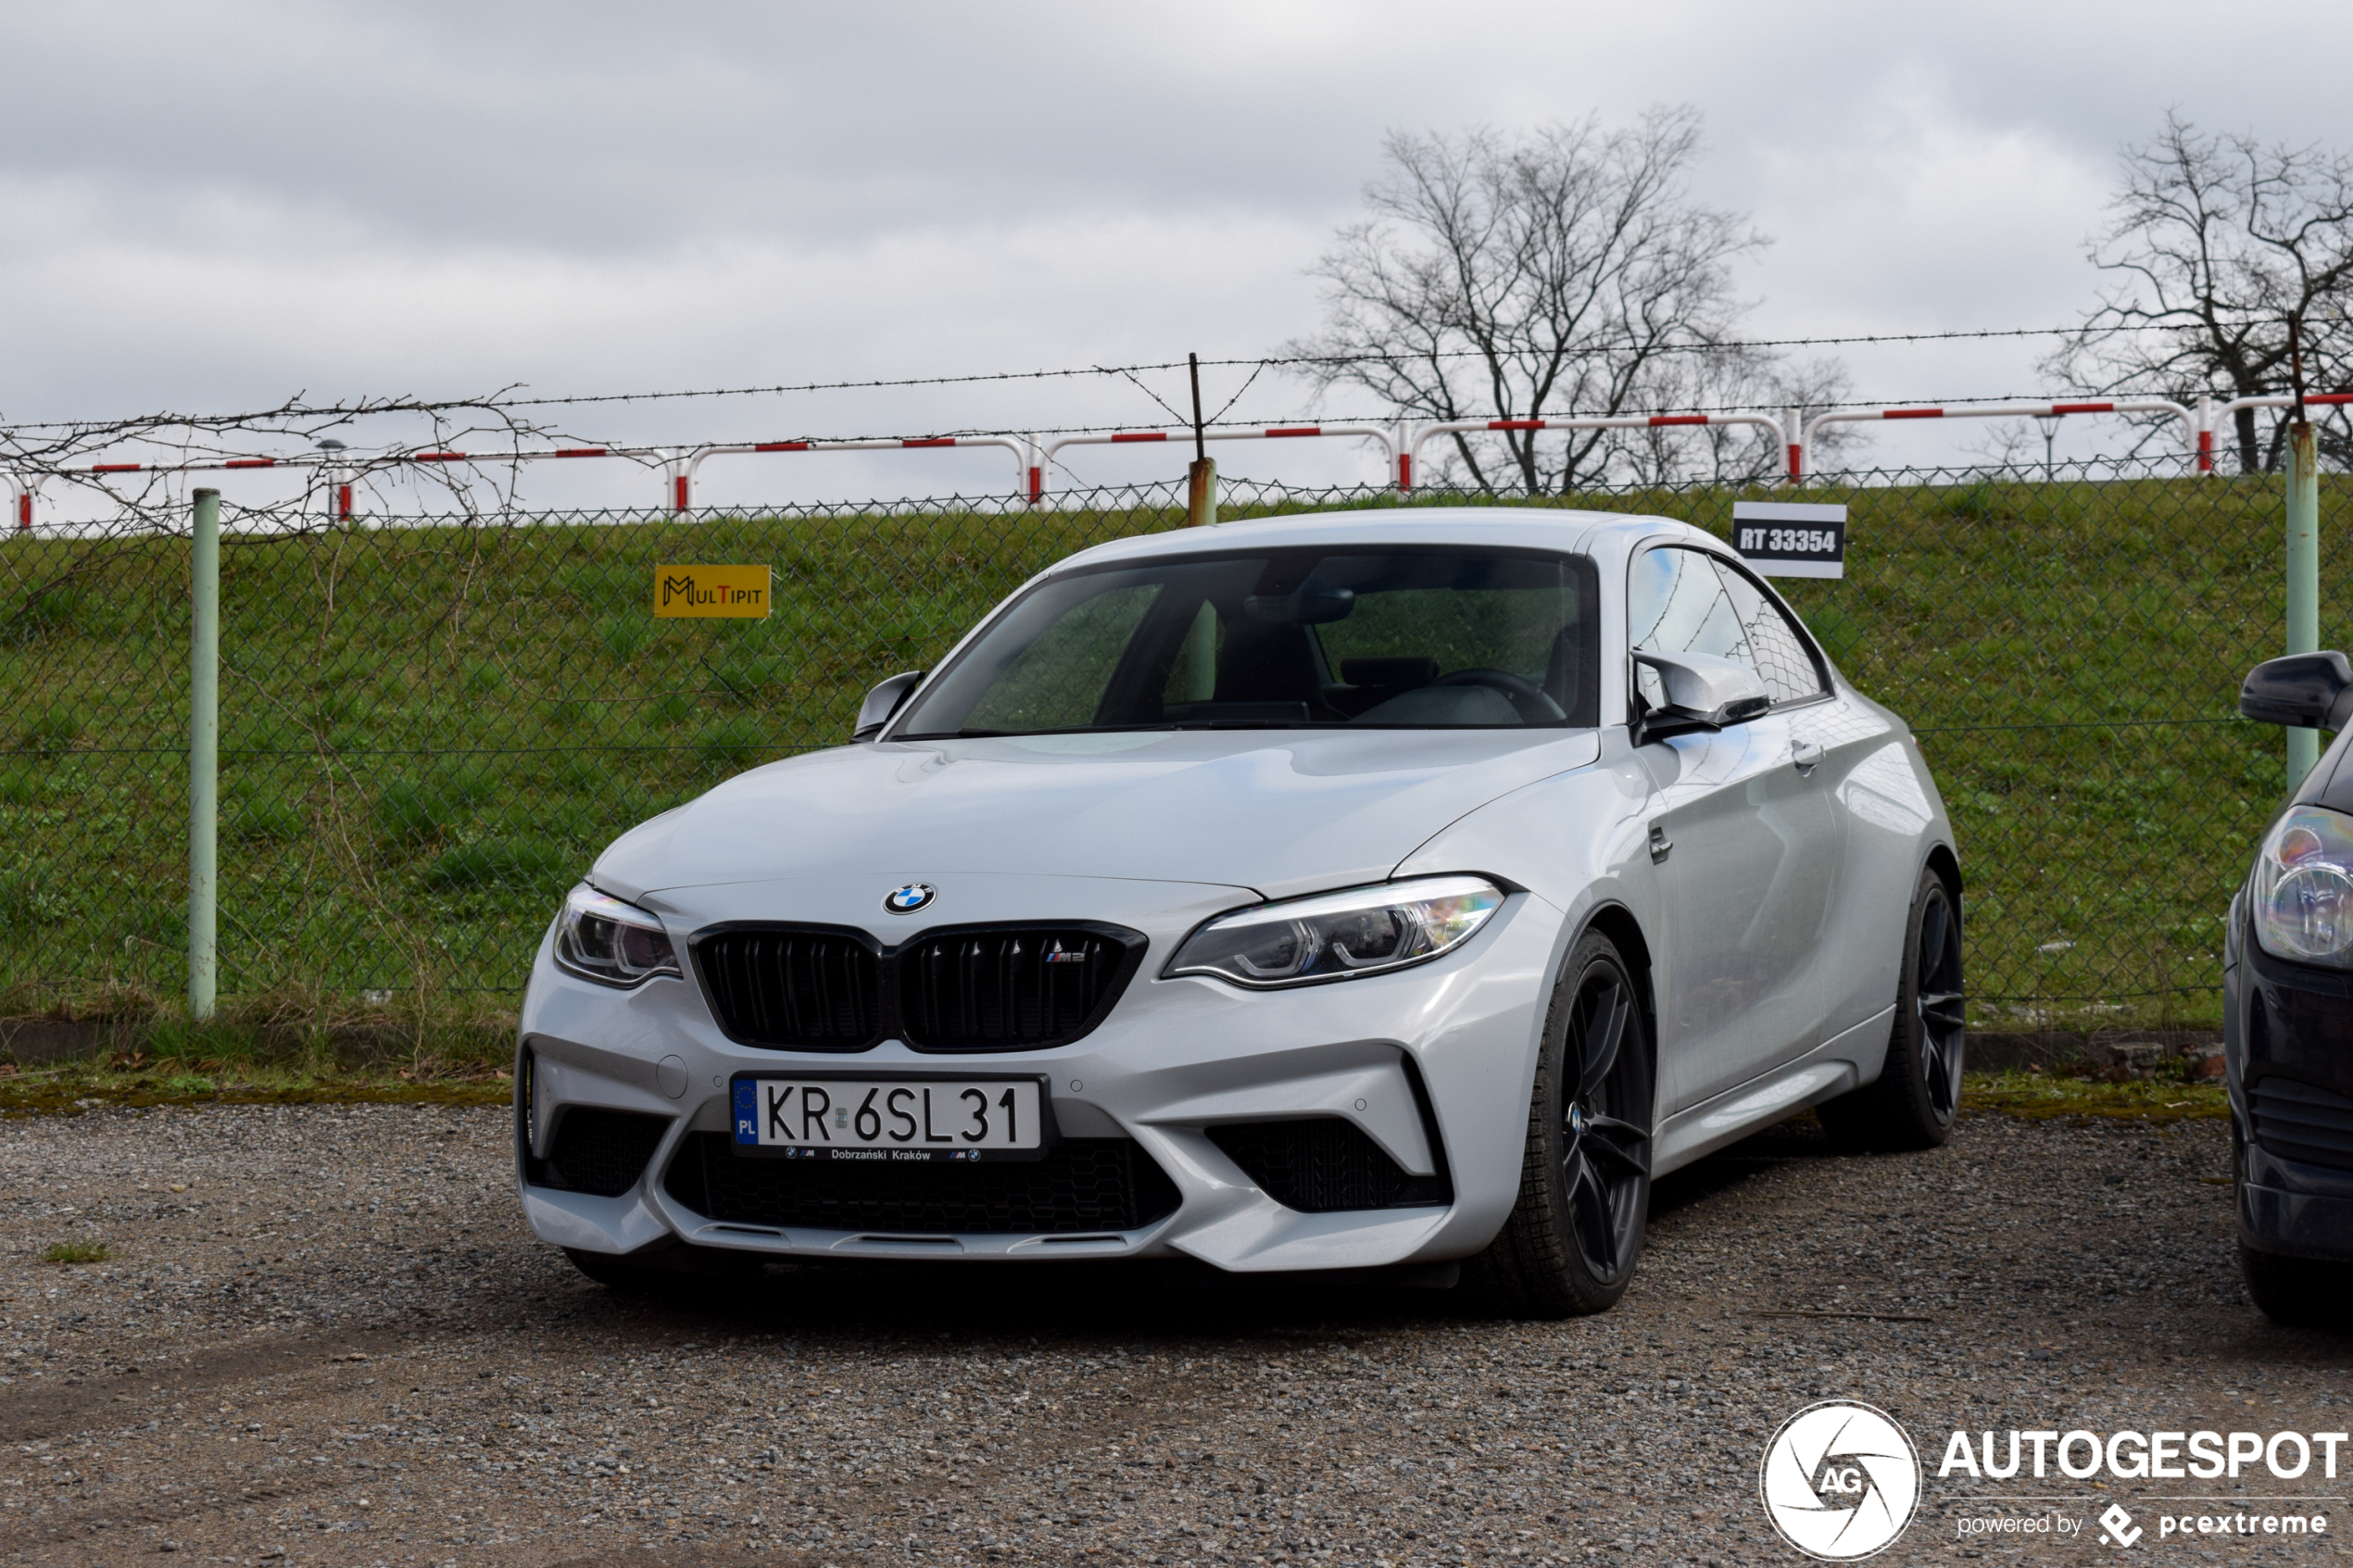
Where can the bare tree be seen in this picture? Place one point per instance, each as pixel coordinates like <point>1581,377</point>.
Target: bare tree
<point>2217,242</point>
<point>1563,271</point>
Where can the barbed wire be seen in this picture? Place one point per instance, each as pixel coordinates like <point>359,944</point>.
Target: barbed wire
<point>295,408</point>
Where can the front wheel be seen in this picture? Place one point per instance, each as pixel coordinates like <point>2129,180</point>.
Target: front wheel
<point>1569,1245</point>
<point>1917,1094</point>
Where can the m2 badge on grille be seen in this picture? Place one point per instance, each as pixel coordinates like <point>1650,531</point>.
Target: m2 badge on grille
<point>892,1120</point>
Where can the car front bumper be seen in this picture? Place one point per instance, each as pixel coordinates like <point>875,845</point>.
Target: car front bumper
<point>2288,1044</point>
<point>1432,1064</point>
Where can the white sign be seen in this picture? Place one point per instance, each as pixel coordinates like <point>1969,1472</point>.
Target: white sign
<point>1791,538</point>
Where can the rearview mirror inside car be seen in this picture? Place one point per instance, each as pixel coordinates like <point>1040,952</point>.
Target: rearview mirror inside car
<point>2305,691</point>
<point>882,702</point>
<point>1704,691</point>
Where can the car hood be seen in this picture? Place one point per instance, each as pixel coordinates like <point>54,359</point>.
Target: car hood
<point>1277,814</point>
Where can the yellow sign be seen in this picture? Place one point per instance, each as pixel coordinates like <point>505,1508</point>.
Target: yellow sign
<point>740,591</point>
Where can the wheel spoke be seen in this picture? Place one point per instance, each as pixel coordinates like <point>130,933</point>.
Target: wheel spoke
<point>1933,922</point>
<point>1622,1143</point>
<point>1604,1029</point>
<point>1590,1217</point>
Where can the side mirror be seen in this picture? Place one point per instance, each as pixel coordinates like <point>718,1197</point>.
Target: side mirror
<point>882,702</point>
<point>1704,691</point>
<point>2305,691</point>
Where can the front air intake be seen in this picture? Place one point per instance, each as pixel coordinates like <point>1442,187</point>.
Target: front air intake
<point>1325,1165</point>
<point>599,1151</point>
<point>964,988</point>
<point>1081,1184</point>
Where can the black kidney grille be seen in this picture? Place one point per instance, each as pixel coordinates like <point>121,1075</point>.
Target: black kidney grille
<point>1084,1184</point>
<point>600,1151</point>
<point>2299,1122</point>
<point>981,988</point>
<point>809,990</point>
<point>1003,990</point>
<point>1322,1165</point>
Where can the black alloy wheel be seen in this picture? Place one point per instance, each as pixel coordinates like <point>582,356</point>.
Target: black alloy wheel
<point>1571,1241</point>
<point>1605,1133</point>
<point>1917,1094</point>
<point>1939,1004</point>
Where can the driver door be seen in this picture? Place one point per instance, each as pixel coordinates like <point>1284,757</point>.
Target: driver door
<point>1743,833</point>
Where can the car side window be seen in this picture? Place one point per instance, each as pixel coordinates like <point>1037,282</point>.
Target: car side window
<point>1685,601</point>
<point>1774,646</point>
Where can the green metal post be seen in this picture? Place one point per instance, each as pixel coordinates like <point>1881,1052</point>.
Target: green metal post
<point>2303,578</point>
<point>204,756</point>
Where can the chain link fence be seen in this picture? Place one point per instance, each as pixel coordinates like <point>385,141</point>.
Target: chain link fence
<point>429,726</point>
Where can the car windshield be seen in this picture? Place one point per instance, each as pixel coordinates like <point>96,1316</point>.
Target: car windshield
<point>1400,638</point>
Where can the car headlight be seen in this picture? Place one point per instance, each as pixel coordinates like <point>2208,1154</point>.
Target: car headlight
<point>2303,889</point>
<point>601,938</point>
<point>1340,936</point>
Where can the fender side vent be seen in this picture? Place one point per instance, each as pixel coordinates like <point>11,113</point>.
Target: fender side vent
<point>1323,1165</point>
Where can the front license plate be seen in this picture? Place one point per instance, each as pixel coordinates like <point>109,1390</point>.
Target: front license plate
<point>891,1119</point>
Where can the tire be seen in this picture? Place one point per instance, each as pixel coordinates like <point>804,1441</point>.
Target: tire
<point>2298,1292</point>
<point>683,1269</point>
<point>1918,1095</point>
<point>614,1273</point>
<point>1573,1236</point>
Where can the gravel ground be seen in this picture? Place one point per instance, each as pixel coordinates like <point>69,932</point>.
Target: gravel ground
<point>324,1336</point>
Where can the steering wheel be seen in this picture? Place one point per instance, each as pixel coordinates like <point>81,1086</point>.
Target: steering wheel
<point>1528,698</point>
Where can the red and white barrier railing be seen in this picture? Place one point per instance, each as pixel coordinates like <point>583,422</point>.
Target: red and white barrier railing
<point>1803,454</point>
<point>1398,464</point>
<point>1621,421</point>
<point>683,470</point>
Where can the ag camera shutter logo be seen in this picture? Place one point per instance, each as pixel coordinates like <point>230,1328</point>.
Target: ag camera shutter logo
<point>1840,1480</point>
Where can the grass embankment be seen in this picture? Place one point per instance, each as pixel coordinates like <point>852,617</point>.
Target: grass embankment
<point>427,732</point>
<point>2039,1096</point>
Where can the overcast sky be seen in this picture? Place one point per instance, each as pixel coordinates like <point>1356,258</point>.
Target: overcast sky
<point>217,205</point>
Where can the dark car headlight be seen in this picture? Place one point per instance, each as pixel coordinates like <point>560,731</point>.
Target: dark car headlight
<point>1340,936</point>
<point>599,937</point>
<point>2301,897</point>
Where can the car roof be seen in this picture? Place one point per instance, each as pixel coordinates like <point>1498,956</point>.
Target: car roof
<point>1537,528</point>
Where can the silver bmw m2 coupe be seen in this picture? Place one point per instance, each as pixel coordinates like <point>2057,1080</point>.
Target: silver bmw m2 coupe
<point>1371,890</point>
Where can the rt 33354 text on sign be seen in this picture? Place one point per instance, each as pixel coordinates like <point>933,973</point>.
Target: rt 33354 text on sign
<point>1791,538</point>
<point>738,591</point>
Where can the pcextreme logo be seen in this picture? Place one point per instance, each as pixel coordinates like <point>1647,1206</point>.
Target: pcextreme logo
<point>1840,1480</point>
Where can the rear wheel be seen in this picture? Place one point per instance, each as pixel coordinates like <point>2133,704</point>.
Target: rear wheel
<point>1918,1095</point>
<point>1571,1243</point>
<point>2298,1292</point>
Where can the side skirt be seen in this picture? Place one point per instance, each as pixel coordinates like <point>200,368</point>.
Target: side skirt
<point>1846,1060</point>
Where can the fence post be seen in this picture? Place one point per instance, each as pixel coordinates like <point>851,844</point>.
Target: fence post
<point>1201,492</point>
<point>2303,578</point>
<point>204,756</point>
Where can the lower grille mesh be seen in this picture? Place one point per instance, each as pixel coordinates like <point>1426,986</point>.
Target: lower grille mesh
<point>1322,1165</point>
<point>2298,1121</point>
<point>601,1152</point>
<point>1085,1185</point>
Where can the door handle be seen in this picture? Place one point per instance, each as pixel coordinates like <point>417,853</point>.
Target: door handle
<point>1661,846</point>
<point>1805,754</point>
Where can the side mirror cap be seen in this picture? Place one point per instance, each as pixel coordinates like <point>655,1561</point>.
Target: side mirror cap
<point>2306,690</point>
<point>1707,691</point>
<point>882,702</point>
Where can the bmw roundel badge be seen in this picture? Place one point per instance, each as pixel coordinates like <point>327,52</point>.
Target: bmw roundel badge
<point>908,899</point>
